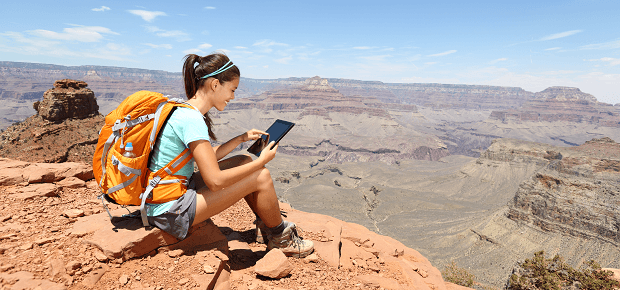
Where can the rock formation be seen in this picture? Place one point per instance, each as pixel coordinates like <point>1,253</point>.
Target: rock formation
<point>575,193</point>
<point>562,104</point>
<point>65,128</point>
<point>63,239</point>
<point>68,99</point>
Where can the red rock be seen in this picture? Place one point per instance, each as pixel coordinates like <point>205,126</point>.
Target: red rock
<point>378,281</point>
<point>175,253</point>
<point>25,280</point>
<point>36,190</point>
<point>11,176</point>
<point>93,276</point>
<point>123,279</point>
<point>127,238</point>
<point>72,267</point>
<point>73,213</point>
<point>273,265</point>
<point>330,228</point>
<point>71,182</point>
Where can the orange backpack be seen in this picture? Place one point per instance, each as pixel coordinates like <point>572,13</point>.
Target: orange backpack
<point>128,181</point>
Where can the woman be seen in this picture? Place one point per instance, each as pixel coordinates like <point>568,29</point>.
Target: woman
<point>211,81</point>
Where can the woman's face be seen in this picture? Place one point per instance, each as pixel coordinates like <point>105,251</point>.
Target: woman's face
<point>224,93</point>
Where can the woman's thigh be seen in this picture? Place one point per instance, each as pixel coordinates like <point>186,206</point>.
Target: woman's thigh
<point>224,164</point>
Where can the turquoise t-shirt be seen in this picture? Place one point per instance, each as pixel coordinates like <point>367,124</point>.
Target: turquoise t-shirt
<point>183,127</point>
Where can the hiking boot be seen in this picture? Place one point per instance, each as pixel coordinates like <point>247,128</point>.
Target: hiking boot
<point>261,233</point>
<point>290,243</point>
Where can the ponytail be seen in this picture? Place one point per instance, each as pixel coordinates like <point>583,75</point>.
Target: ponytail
<point>197,70</point>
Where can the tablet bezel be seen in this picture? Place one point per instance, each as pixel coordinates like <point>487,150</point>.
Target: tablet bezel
<point>257,147</point>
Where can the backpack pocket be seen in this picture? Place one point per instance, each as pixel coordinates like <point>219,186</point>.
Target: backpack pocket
<point>124,178</point>
<point>169,188</point>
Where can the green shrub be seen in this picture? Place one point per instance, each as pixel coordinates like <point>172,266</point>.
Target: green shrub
<point>456,275</point>
<point>551,274</point>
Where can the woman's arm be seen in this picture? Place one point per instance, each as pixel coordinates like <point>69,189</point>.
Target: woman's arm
<point>216,179</point>
<point>222,150</point>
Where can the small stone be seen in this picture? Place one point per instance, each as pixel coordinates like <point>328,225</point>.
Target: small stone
<point>6,267</point>
<point>314,258</point>
<point>273,265</point>
<point>123,279</point>
<point>183,281</point>
<point>72,267</point>
<point>73,213</point>
<point>100,256</point>
<point>175,253</point>
<point>44,241</point>
<point>26,246</point>
<point>171,269</point>
<point>208,269</point>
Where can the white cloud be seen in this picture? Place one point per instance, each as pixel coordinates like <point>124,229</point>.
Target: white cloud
<point>362,47</point>
<point>444,53</point>
<point>554,48</point>
<point>78,33</point>
<point>612,61</point>
<point>179,35</point>
<point>148,16</point>
<point>498,60</point>
<point>560,35</point>
<point>193,51</point>
<point>606,45</point>
<point>210,7</point>
<point>205,46</point>
<point>284,60</point>
<point>16,42</point>
<point>164,46</point>
<point>268,43</point>
<point>241,47</point>
<point>102,9</point>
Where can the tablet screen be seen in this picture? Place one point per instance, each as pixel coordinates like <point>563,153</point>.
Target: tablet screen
<point>276,131</point>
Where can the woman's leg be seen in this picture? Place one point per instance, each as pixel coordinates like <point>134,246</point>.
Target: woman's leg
<point>257,189</point>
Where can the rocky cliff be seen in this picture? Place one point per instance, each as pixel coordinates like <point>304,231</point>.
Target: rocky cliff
<point>562,104</point>
<point>65,128</point>
<point>577,191</point>
<point>56,235</point>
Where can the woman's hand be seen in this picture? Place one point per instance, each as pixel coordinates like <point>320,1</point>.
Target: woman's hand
<point>268,153</point>
<point>252,135</point>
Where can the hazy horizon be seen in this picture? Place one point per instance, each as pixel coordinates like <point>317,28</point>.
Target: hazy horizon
<point>525,44</point>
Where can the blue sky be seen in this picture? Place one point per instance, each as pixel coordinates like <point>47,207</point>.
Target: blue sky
<point>528,44</point>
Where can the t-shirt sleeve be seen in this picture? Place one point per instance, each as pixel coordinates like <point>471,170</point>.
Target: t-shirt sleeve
<point>189,125</point>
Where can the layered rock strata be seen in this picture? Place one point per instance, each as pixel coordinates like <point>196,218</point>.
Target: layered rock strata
<point>576,193</point>
<point>68,99</point>
<point>562,104</point>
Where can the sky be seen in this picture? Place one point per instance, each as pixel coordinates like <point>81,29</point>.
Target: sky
<point>528,44</point>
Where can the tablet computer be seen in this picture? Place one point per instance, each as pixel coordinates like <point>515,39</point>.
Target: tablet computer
<point>276,131</point>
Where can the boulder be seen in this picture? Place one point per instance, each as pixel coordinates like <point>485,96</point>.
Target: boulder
<point>126,238</point>
<point>68,99</point>
<point>273,265</point>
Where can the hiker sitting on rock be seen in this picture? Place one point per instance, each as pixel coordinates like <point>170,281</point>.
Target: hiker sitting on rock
<point>211,81</point>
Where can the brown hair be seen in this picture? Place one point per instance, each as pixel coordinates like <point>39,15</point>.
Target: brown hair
<point>192,76</point>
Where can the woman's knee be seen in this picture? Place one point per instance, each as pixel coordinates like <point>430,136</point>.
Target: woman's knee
<point>264,177</point>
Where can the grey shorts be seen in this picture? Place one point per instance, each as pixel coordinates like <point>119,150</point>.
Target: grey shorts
<point>180,217</point>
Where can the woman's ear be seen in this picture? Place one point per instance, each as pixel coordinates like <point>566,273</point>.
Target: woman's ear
<point>214,83</point>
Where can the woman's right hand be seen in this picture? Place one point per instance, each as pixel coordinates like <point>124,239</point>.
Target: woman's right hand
<point>268,153</point>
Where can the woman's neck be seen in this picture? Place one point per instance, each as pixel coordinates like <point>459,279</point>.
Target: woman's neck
<point>200,102</point>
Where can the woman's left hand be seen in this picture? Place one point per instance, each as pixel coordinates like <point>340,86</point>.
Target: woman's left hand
<point>252,135</point>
